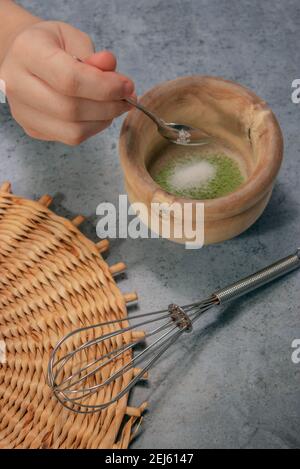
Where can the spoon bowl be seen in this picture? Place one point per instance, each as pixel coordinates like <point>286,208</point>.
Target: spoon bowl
<point>180,134</point>
<point>184,134</point>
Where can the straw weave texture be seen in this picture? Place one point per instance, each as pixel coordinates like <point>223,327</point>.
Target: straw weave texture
<point>52,280</point>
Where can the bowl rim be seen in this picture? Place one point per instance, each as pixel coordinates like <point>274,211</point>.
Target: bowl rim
<point>244,197</point>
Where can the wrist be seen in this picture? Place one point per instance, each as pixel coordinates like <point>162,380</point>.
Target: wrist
<point>13,20</point>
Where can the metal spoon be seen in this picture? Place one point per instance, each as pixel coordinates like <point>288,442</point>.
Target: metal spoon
<point>177,133</point>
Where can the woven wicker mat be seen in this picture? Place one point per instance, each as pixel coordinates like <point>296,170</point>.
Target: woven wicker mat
<point>52,280</point>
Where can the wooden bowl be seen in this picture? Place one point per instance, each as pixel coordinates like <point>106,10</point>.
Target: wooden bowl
<point>226,110</point>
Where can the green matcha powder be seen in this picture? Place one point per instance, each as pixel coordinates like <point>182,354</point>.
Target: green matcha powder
<point>218,175</point>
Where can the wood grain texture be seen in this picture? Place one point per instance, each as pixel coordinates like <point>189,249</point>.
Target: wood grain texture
<point>231,113</point>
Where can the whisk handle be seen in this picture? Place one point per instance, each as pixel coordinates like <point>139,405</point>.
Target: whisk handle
<point>264,276</point>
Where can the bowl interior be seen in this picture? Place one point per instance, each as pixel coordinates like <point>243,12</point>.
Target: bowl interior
<point>230,169</point>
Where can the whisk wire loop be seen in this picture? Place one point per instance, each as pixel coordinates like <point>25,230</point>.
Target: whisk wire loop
<point>98,363</point>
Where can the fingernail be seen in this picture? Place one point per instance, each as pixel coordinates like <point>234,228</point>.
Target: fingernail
<point>128,88</point>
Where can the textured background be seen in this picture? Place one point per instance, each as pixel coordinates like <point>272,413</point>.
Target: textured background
<point>232,384</point>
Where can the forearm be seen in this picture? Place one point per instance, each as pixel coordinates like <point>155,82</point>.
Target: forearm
<point>13,20</point>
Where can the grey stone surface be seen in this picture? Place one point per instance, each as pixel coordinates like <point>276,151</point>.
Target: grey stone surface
<point>231,384</point>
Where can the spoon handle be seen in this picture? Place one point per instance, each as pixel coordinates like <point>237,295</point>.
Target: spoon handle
<point>159,122</point>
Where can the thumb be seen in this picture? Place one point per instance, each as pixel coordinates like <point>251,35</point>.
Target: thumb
<point>104,60</point>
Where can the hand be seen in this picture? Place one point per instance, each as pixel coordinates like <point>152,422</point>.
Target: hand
<point>52,95</point>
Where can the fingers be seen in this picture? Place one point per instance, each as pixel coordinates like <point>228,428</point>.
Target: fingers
<point>39,125</point>
<point>38,95</point>
<point>104,60</point>
<point>67,75</point>
<point>76,42</point>
<point>73,78</point>
<point>52,95</point>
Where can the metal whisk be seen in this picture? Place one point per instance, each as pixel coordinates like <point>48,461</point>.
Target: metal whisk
<point>78,379</point>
